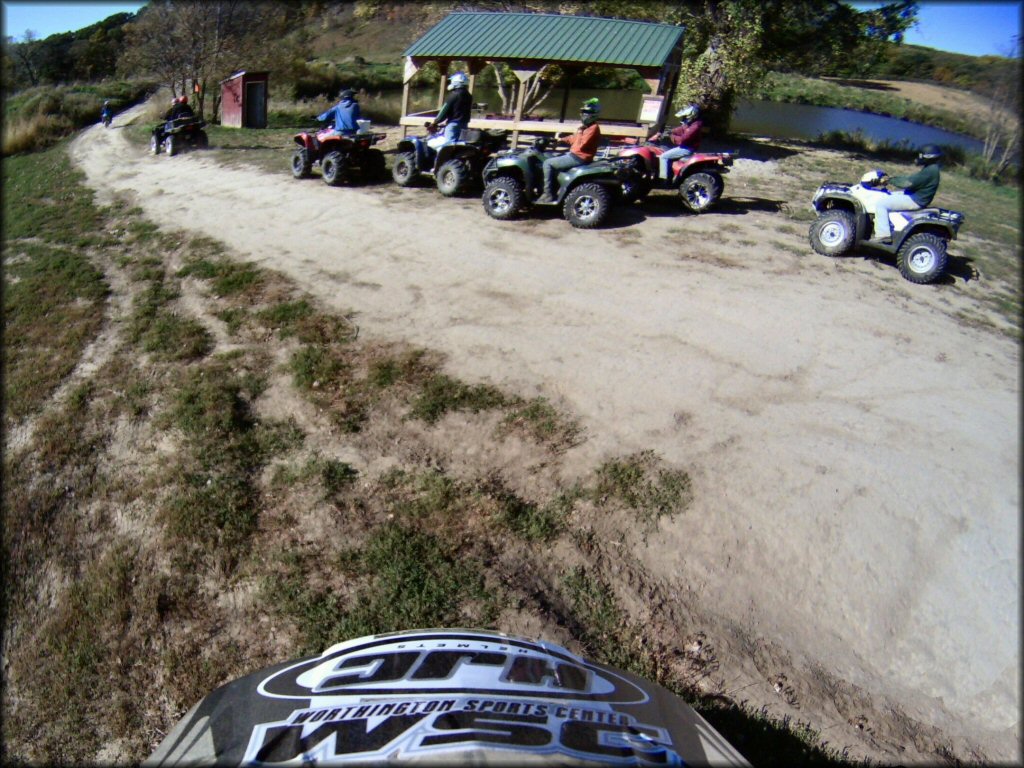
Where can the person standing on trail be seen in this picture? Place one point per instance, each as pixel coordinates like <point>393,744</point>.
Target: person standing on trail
<point>456,111</point>
<point>685,137</point>
<point>582,148</point>
<point>344,114</point>
<point>918,191</point>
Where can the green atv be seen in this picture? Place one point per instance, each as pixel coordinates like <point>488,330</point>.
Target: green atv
<point>514,182</point>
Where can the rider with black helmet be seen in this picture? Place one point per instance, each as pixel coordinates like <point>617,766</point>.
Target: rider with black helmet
<point>344,114</point>
<point>917,191</point>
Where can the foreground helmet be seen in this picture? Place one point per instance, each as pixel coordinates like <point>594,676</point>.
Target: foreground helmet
<point>689,113</point>
<point>182,100</point>
<point>458,80</point>
<point>591,107</point>
<point>929,153</point>
<point>347,94</point>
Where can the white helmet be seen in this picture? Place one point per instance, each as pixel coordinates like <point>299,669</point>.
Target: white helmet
<point>690,112</point>
<point>872,178</point>
<point>458,80</point>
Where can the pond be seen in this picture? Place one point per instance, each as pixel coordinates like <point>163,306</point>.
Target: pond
<point>765,118</point>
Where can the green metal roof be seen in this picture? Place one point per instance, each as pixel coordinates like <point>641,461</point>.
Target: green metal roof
<point>548,37</point>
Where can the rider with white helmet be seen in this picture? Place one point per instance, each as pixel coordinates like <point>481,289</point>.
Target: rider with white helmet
<point>457,110</point>
<point>685,137</point>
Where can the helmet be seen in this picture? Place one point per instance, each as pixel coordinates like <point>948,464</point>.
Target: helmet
<point>929,153</point>
<point>591,107</point>
<point>689,113</point>
<point>181,100</point>
<point>346,93</point>
<point>458,80</point>
<point>872,178</point>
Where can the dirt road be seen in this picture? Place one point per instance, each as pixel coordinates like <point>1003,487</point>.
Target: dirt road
<point>854,449</point>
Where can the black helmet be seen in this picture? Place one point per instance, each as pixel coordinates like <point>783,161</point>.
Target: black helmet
<point>347,93</point>
<point>929,153</point>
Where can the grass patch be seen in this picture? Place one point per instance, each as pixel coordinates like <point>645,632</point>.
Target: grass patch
<point>407,579</point>
<point>441,394</point>
<point>539,419</point>
<point>227,278</point>
<point>637,482</point>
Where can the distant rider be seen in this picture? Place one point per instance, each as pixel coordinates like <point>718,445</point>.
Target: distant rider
<point>344,114</point>
<point>582,148</point>
<point>107,113</point>
<point>918,191</point>
<point>455,113</point>
<point>179,108</point>
<point>685,137</point>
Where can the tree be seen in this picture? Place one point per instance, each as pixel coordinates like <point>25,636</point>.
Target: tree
<point>1002,127</point>
<point>190,45</point>
<point>23,57</point>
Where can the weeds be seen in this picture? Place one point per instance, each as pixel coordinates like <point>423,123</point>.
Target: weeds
<point>636,482</point>
<point>441,394</point>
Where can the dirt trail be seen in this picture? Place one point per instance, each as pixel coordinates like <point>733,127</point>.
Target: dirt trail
<point>854,449</point>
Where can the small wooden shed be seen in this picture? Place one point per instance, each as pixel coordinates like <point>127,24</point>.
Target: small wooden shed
<point>528,41</point>
<point>243,100</point>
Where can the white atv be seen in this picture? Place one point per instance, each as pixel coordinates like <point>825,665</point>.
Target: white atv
<point>845,221</point>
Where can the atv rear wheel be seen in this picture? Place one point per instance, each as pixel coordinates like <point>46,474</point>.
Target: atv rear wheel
<point>374,166</point>
<point>587,206</point>
<point>333,167</point>
<point>171,145</point>
<point>404,169</point>
<point>503,197</point>
<point>701,191</point>
<point>922,258</point>
<point>833,232</point>
<point>301,164</point>
<point>452,178</point>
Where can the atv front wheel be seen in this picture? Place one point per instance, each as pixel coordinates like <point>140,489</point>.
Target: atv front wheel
<point>202,140</point>
<point>635,190</point>
<point>154,145</point>
<point>922,258</point>
<point>333,167</point>
<point>503,197</point>
<point>700,191</point>
<point>833,232</point>
<point>404,169</point>
<point>301,164</point>
<point>587,206</point>
<point>452,178</point>
<point>171,145</point>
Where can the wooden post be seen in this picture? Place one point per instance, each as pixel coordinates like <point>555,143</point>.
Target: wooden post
<point>442,65</point>
<point>411,68</point>
<point>523,75</point>
<point>475,67</point>
<point>569,72</point>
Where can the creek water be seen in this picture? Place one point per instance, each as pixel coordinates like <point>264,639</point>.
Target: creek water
<point>765,118</point>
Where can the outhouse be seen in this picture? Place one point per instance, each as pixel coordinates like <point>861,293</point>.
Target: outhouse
<point>528,41</point>
<point>243,100</point>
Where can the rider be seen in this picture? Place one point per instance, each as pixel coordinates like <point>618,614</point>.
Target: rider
<point>456,111</point>
<point>917,192</point>
<point>107,112</point>
<point>685,137</point>
<point>582,148</point>
<point>345,113</point>
<point>179,108</point>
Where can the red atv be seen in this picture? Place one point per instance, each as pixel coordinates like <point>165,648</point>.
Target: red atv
<point>698,177</point>
<point>342,157</point>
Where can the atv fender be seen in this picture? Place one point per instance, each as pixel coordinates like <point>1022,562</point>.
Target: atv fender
<point>307,142</point>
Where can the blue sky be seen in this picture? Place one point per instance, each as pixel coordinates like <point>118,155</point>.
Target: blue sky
<point>975,28</point>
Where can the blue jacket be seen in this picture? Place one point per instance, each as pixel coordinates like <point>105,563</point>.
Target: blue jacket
<point>344,114</point>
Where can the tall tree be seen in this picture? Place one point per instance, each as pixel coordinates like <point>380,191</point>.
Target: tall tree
<point>190,45</point>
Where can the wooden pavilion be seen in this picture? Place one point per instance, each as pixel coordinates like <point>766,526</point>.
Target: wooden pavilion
<point>528,41</point>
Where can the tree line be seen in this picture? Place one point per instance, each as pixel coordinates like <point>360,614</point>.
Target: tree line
<point>729,45</point>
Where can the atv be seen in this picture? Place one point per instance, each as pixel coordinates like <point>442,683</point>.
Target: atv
<point>697,177</point>
<point>514,181</point>
<point>342,157</point>
<point>455,167</point>
<point>174,135</point>
<point>845,222</point>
